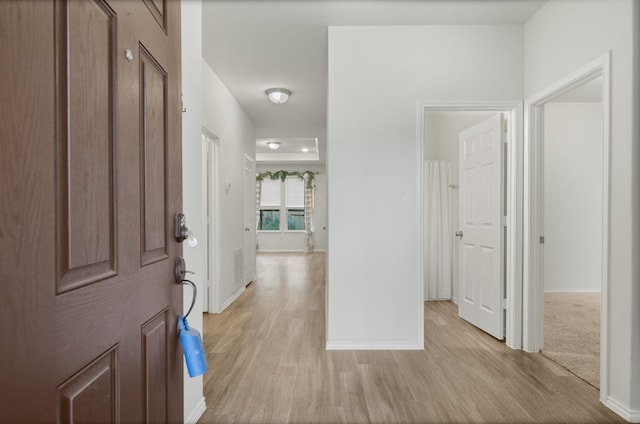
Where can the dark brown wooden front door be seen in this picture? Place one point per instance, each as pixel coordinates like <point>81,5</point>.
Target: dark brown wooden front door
<point>90,165</point>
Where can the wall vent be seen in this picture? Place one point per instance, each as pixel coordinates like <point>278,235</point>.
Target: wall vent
<point>238,267</point>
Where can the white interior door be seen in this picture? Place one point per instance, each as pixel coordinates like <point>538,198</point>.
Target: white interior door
<point>480,235</point>
<point>249,246</point>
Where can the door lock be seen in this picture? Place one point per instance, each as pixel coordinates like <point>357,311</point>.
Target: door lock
<point>181,231</point>
<point>459,234</point>
<point>181,269</point>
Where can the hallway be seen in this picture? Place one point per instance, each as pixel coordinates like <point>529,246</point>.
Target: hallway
<point>268,364</point>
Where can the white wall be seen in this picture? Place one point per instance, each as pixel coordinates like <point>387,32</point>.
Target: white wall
<point>572,196</point>
<point>191,180</point>
<point>282,241</point>
<point>223,116</point>
<point>441,143</point>
<point>562,37</point>
<point>376,77</point>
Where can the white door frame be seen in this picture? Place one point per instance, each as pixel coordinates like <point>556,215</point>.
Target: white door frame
<point>513,258</point>
<point>210,191</point>
<point>533,283</point>
<point>252,275</point>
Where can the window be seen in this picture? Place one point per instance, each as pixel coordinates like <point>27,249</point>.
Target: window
<point>294,202</point>
<point>269,220</point>
<point>282,203</point>
<point>270,201</point>
<point>295,219</point>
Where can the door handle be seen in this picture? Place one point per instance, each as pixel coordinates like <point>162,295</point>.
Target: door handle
<point>459,234</point>
<point>247,229</point>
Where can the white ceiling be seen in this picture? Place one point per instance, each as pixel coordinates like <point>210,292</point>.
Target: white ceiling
<point>291,150</point>
<point>253,45</point>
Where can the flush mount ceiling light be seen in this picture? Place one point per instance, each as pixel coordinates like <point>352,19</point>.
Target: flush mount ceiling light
<point>273,145</point>
<point>278,95</point>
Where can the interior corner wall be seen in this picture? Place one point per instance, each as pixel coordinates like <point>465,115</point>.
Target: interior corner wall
<point>191,13</point>
<point>562,37</point>
<point>572,196</point>
<point>282,241</point>
<point>224,117</point>
<point>377,76</point>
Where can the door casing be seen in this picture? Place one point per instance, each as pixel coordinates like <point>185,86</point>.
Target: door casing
<point>211,201</point>
<point>533,282</point>
<point>249,213</point>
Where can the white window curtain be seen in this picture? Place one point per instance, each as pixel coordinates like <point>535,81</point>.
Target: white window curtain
<point>294,192</point>
<point>270,195</point>
<point>308,214</point>
<point>438,231</point>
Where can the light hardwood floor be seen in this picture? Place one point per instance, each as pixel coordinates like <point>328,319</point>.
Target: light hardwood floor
<point>268,364</point>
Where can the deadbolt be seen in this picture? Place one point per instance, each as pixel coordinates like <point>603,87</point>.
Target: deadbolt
<point>181,232</point>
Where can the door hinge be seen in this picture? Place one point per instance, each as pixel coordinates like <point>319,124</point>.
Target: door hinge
<point>505,128</point>
<point>504,221</point>
<point>541,239</point>
<point>504,303</point>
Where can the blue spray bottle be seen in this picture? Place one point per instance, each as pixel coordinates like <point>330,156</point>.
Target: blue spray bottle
<point>191,341</point>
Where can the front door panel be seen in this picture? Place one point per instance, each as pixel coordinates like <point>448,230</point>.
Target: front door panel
<point>94,212</point>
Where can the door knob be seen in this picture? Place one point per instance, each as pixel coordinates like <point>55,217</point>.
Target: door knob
<point>459,234</point>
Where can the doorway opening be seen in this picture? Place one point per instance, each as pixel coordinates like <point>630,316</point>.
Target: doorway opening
<point>567,210</point>
<point>211,215</point>
<point>572,219</point>
<point>471,149</point>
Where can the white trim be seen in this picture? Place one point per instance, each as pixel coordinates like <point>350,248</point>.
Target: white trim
<point>373,346</point>
<point>213,290</point>
<point>197,412</point>
<point>513,250</point>
<point>420,224</point>
<point>231,299</point>
<point>291,251</point>
<point>252,246</point>
<point>632,416</point>
<point>572,290</point>
<point>533,284</point>
<point>204,150</point>
<point>281,251</point>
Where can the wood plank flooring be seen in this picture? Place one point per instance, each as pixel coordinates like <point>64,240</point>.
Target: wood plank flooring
<point>268,364</point>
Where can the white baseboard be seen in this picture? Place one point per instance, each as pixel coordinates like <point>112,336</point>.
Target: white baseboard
<point>572,290</point>
<point>373,346</point>
<point>233,297</point>
<point>289,251</point>
<point>280,251</point>
<point>196,413</point>
<point>624,412</point>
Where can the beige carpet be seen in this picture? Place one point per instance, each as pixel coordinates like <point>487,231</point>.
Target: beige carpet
<point>572,333</point>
